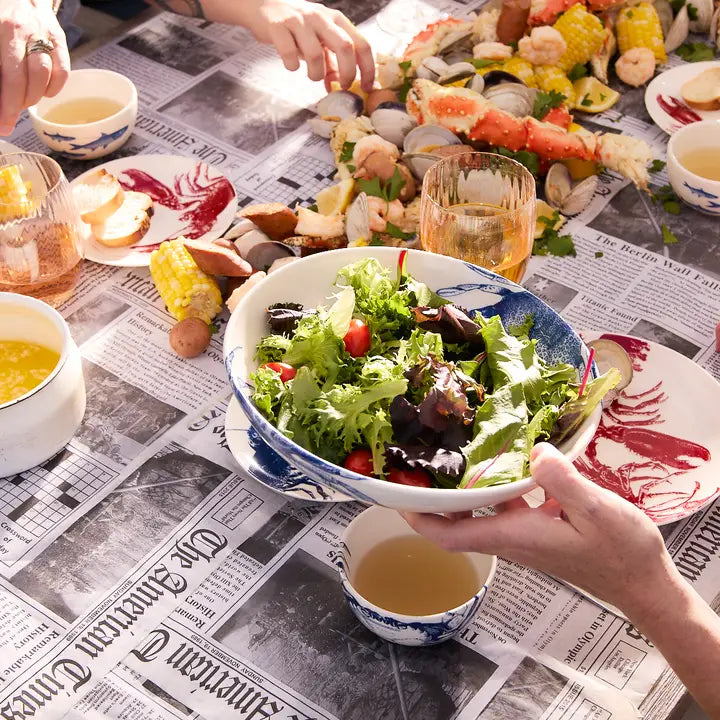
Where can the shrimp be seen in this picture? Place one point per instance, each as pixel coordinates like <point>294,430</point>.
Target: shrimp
<point>382,213</point>
<point>370,144</point>
<point>485,26</point>
<point>635,66</point>
<point>492,51</point>
<point>544,46</point>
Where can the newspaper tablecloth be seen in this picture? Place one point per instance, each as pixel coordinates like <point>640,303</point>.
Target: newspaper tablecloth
<point>143,576</point>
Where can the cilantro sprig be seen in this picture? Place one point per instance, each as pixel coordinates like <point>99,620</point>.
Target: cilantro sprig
<point>407,80</point>
<point>529,159</point>
<point>481,63</point>
<point>577,71</point>
<point>656,166</point>
<point>669,237</point>
<point>388,190</point>
<point>551,242</point>
<point>695,52</point>
<point>667,197</point>
<point>545,102</point>
<point>346,152</point>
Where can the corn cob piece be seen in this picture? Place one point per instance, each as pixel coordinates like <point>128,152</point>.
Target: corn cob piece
<point>584,34</point>
<point>521,68</point>
<point>639,26</point>
<point>184,287</point>
<point>551,77</point>
<point>14,200</point>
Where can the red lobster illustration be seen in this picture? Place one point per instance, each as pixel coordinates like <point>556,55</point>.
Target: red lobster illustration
<point>645,483</point>
<point>199,198</point>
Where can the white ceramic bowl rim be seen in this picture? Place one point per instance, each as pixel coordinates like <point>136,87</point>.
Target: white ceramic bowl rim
<point>31,303</point>
<point>257,419</point>
<point>32,111</point>
<point>693,129</point>
<point>436,617</point>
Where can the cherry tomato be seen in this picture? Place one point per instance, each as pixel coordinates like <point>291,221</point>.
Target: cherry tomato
<point>416,478</point>
<point>360,461</point>
<point>286,372</point>
<point>357,338</point>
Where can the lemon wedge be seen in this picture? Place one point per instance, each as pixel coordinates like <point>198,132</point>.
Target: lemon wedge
<point>544,210</point>
<point>592,96</point>
<point>334,199</point>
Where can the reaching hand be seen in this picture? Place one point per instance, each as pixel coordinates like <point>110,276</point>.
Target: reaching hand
<point>582,533</point>
<point>325,39</point>
<point>33,56</point>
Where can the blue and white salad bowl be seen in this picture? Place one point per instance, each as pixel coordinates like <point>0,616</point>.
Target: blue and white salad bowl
<point>369,529</point>
<point>310,282</point>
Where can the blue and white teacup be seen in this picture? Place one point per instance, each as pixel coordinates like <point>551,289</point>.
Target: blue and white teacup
<point>368,529</point>
<point>698,192</point>
<point>89,140</point>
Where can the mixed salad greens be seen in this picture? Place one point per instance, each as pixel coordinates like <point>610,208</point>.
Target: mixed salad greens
<point>394,381</point>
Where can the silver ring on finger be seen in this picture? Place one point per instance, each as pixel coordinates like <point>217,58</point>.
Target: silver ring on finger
<point>39,45</point>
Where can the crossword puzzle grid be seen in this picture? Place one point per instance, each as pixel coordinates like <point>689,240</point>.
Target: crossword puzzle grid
<point>40,498</point>
<point>300,182</point>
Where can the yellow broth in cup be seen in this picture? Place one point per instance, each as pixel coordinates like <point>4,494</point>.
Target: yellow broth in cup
<point>23,366</point>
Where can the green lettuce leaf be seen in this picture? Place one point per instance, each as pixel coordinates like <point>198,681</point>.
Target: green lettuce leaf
<point>269,391</point>
<point>271,348</point>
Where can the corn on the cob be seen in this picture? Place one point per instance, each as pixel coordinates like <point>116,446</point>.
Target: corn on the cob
<point>551,77</point>
<point>521,68</point>
<point>184,287</point>
<point>584,34</point>
<point>14,200</point>
<point>639,26</point>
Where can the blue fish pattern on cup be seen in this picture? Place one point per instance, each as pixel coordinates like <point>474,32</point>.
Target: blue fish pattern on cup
<point>491,294</point>
<point>58,137</point>
<point>103,141</point>
<point>391,628</point>
<point>700,192</point>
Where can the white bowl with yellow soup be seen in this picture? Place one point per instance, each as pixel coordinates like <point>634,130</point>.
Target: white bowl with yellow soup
<point>92,116</point>
<point>42,391</point>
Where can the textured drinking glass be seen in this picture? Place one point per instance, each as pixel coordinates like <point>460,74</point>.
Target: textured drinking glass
<point>40,246</point>
<point>480,207</point>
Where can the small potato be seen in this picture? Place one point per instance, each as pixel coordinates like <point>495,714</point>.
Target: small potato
<point>379,96</point>
<point>190,337</point>
<point>378,164</point>
<point>409,189</point>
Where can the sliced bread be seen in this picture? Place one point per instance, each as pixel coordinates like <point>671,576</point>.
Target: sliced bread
<point>98,196</point>
<point>128,224</point>
<point>703,91</point>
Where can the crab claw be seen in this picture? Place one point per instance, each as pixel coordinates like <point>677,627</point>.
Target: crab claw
<point>551,142</point>
<point>627,155</point>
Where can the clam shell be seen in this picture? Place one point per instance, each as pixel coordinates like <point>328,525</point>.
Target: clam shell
<point>431,68</point>
<point>457,40</point>
<point>456,55</point>
<point>495,77</point>
<point>476,83</point>
<point>518,100</point>
<point>458,71</point>
<point>392,124</point>
<point>705,10</point>
<point>580,196</point>
<point>678,31</point>
<point>357,221</point>
<point>340,104</point>
<point>425,137</point>
<point>248,240</point>
<point>322,127</point>
<point>558,185</point>
<point>665,13</point>
<point>240,228</point>
<point>263,254</point>
<point>419,163</point>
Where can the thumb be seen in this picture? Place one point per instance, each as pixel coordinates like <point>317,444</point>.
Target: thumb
<point>553,472</point>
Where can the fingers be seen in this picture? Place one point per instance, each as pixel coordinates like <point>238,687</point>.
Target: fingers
<point>309,46</point>
<point>60,64</point>
<point>341,45</point>
<point>553,472</point>
<point>331,70</point>
<point>284,43</point>
<point>363,52</point>
<point>39,68</point>
<point>13,82</point>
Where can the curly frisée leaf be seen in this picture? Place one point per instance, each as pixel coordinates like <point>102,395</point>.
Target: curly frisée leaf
<point>268,392</point>
<point>341,312</point>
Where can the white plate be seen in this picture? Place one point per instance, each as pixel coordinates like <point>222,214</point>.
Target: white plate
<point>658,444</point>
<point>190,198</point>
<point>664,90</point>
<point>264,465</point>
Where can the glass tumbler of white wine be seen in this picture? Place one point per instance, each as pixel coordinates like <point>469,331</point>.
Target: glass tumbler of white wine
<point>480,207</point>
<point>41,251</point>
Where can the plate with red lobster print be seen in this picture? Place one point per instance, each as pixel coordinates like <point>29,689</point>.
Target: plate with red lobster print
<point>190,198</point>
<point>658,444</point>
<point>664,101</point>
